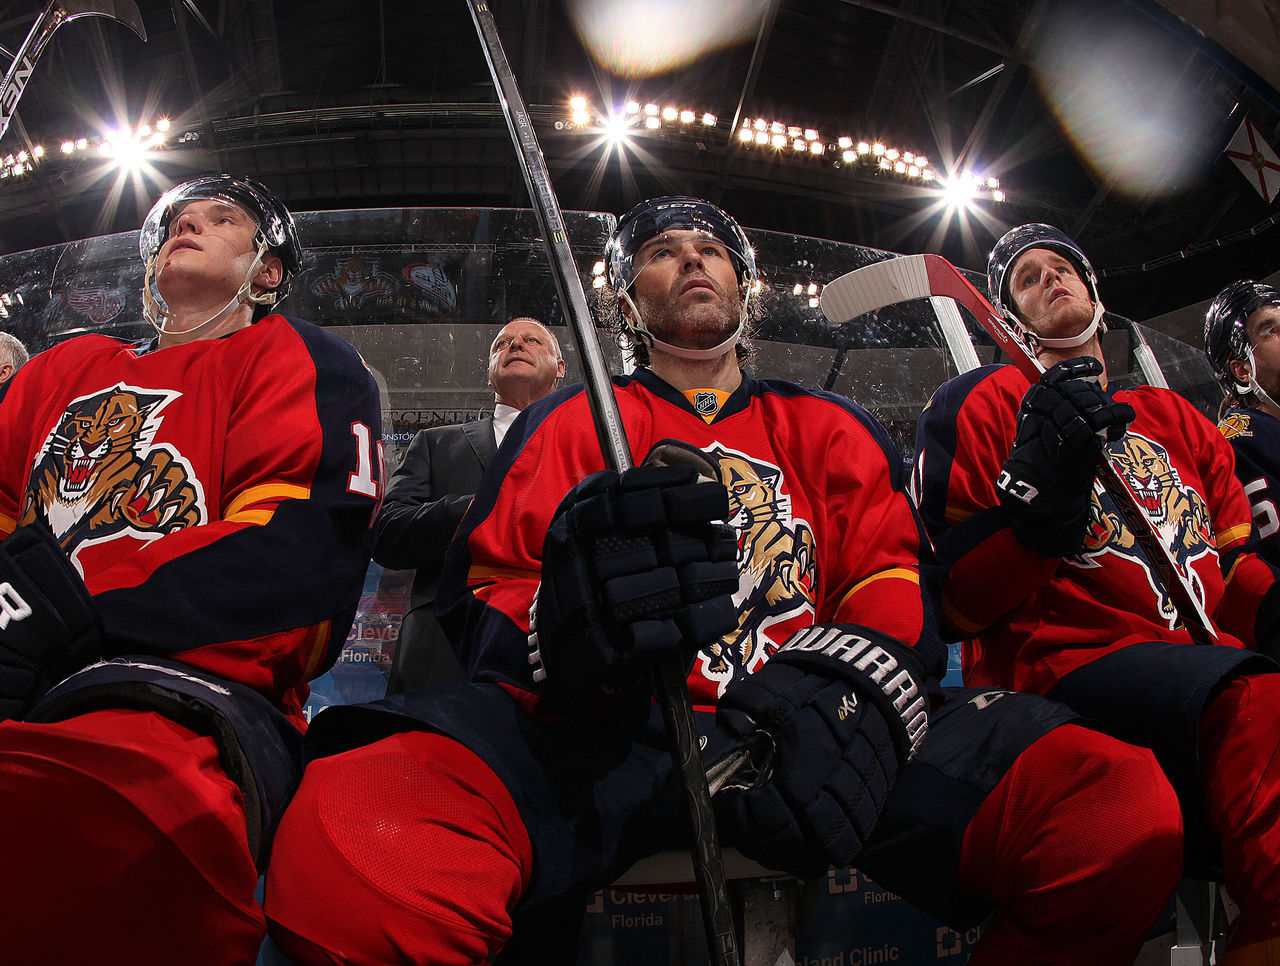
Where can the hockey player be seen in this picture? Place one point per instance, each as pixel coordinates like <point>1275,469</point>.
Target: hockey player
<point>1056,597</point>
<point>430,817</point>
<point>187,528</point>
<point>1242,342</point>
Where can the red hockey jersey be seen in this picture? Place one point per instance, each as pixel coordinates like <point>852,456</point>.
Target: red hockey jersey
<point>826,531</point>
<point>1030,619</point>
<point>216,496</point>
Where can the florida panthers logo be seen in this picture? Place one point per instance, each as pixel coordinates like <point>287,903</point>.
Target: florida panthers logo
<point>98,473</point>
<point>777,564</point>
<point>353,282</point>
<point>1179,513</point>
<point>1235,424</point>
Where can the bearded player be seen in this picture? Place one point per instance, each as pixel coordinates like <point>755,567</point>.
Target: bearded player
<point>432,817</point>
<point>1055,596</point>
<point>156,630</point>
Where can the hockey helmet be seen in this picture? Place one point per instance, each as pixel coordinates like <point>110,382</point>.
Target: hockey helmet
<point>650,218</point>
<point>276,231</point>
<point>1021,239</point>
<point>1226,335</point>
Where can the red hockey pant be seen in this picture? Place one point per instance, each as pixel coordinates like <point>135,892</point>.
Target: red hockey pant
<point>123,843</point>
<point>1080,847</point>
<point>1240,759</point>
<point>410,850</point>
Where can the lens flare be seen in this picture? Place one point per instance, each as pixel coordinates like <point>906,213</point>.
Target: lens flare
<point>640,38</point>
<point>1130,97</point>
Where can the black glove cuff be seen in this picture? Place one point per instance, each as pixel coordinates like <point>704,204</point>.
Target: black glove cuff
<point>880,669</point>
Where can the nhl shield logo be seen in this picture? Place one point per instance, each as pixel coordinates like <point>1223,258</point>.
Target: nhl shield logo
<point>705,403</point>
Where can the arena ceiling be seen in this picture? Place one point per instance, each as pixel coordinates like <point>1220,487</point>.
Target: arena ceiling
<point>1107,119</point>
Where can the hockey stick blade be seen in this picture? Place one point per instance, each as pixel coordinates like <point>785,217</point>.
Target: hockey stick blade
<point>55,15</point>
<point>910,277</point>
<point>672,691</point>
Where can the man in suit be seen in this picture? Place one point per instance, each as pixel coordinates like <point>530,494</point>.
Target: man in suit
<point>432,488</point>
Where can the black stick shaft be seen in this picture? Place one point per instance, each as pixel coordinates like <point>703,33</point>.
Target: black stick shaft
<point>673,690</point>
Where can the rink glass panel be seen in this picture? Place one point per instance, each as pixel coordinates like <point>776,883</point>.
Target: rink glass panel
<point>421,294</point>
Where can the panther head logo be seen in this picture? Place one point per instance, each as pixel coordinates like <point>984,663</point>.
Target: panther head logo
<point>97,433</point>
<point>1147,467</point>
<point>99,473</point>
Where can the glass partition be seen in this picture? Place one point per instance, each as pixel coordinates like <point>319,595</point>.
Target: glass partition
<point>421,292</point>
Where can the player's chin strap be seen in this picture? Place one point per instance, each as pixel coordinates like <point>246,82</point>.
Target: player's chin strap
<point>1253,386</point>
<point>1072,341</point>
<point>640,333</point>
<point>155,312</point>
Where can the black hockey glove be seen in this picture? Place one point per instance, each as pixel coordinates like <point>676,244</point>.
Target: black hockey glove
<point>1046,483</point>
<point>844,706</point>
<point>49,626</point>
<point>633,567</point>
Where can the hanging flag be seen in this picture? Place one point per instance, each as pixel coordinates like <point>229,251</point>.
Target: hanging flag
<point>1256,161</point>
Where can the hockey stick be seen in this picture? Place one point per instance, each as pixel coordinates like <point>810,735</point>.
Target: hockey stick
<point>926,276</point>
<point>55,15</point>
<point>673,688</point>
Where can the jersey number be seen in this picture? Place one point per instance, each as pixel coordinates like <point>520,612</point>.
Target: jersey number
<point>362,480</point>
<point>1265,517</point>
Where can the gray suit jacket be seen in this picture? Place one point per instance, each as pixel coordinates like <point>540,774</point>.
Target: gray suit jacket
<point>425,500</point>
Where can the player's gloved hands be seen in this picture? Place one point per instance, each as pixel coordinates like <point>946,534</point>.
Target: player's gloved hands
<point>49,626</point>
<point>633,567</point>
<point>1046,483</point>
<point>844,707</point>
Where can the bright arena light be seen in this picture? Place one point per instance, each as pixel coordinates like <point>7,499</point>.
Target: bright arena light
<point>629,125</point>
<point>640,38</point>
<point>959,191</point>
<point>617,128</point>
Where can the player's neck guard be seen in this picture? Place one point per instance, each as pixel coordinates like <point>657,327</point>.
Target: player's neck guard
<point>156,313</point>
<point>639,332</point>
<point>1073,341</point>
